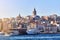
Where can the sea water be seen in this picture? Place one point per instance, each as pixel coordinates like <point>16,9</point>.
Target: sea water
<point>32,37</point>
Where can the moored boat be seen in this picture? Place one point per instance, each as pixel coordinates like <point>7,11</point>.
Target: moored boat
<point>32,31</point>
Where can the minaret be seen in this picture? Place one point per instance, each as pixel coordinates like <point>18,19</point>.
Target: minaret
<point>34,12</point>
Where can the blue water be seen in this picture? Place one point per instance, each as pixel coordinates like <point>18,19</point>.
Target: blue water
<point>32,37</point>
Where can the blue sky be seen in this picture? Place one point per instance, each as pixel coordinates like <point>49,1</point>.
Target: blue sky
<point>11,8</point>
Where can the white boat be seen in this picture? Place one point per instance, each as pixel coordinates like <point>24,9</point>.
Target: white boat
<point>32,31</point>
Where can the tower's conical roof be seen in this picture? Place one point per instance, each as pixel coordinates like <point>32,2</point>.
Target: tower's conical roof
<point>34,11</point>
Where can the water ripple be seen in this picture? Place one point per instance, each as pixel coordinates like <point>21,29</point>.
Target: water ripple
<point>31,37</point>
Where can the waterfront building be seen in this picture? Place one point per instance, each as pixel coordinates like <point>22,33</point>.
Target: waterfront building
<point>12,22</point>
<point>58,19</point>
<point>40,28</point>
<point>45,17</point>
<point>18,17</point>
<point>54,16</point>
<point>28,19</point>
<point>50,29</point>
<point>1,25</point>
<point>5,24</point>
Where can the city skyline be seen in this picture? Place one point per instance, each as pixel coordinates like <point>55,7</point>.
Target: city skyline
<point>12,8</point>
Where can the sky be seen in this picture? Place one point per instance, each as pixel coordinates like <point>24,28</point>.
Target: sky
<point>12,8</point>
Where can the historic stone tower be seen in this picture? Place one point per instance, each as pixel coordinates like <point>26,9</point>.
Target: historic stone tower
<point>34,12</point>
